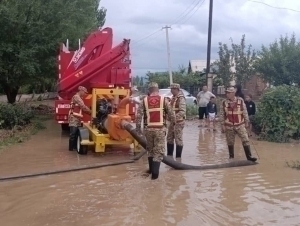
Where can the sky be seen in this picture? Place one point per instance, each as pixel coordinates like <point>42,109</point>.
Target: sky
<point>141,21</point>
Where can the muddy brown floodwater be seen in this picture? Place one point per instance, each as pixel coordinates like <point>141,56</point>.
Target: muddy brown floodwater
<point>265,194</point>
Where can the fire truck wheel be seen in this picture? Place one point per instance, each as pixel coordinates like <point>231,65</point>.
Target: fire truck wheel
<point>81,149</point>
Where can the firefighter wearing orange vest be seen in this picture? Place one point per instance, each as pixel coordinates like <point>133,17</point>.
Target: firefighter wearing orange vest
<point>75,116</point>
<point>234,120</point>
<point>175,132</point>
<point>154,108</point>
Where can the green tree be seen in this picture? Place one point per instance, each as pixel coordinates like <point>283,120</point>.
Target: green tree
<point>239,57</point>
<point>224,64</point>
<point>30,33</point>
<point>278,64</point>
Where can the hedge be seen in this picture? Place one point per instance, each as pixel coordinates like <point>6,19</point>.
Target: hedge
<point>278,115</point>
<point>15,115</point>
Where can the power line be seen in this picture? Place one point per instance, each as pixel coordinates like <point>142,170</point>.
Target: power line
<point>176,21</point>
<point>275,7</point>
<point>194,11</point>
<point>185,14</point>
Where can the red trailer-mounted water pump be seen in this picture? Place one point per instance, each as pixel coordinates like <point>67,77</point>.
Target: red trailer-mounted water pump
<point>96,64</point>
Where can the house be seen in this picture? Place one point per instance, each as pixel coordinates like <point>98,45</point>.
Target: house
<point>254,86</point>
<point>197,66</point>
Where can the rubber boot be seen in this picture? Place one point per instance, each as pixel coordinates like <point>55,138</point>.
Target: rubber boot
<point>231,151</point>
<point>155,170</point>
<point>170,149</point>
<point>248,154</point>
<point>150,162</point>
<point>178,151</point>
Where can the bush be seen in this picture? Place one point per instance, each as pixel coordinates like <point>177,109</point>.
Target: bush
<point>278,115</point>
<point>191,110</point>
<point>14,115</point>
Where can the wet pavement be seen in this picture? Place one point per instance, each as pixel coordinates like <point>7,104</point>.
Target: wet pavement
<point>265,194</point>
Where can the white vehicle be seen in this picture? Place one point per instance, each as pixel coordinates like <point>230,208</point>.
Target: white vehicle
<point>190,99</point>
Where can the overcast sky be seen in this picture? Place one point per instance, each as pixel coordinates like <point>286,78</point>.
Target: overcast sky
<point>137,19</point>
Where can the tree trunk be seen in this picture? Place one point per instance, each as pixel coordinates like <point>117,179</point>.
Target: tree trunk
<point>11,93</point>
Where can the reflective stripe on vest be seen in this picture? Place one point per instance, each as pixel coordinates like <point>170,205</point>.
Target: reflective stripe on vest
<point>234,112</point>
<point>154,110</point>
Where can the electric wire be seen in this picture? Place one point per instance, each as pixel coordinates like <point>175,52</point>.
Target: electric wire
<point>181,16</point>
<point>191,15</point>
<point>275,7</point>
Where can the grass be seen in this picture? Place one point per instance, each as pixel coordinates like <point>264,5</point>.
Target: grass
<point>294,164</point>
<point>21,134</point>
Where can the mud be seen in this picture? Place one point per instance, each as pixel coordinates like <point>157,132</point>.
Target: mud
<point>264,194</point>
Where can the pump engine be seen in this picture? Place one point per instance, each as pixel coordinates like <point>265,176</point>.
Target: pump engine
<point>104,108</point>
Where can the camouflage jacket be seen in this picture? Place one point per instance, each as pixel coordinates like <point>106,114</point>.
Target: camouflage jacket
<point>76,99</point>
<point>140,113</point>
<point>179,106</point>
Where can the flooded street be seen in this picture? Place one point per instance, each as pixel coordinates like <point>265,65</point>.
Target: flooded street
<point>265,194</point>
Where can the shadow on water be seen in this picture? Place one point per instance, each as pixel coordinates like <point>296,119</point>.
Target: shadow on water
<point>264,194</point>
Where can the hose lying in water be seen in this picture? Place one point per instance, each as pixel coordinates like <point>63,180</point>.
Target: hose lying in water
<point>168,160</point>
<point>142,141</point>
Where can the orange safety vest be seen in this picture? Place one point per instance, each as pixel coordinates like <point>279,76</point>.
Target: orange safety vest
<point>234,112</point>
<point>75,110</point>
<point>154,112</point>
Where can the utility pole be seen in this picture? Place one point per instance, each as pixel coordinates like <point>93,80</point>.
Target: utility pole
<point>209,40</point>
<point>168,52</point>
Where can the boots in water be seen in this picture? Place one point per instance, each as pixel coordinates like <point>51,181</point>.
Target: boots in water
<point>248,154</point>
<point>178,151</point>
<point>155,170</point>
<point>231,151</point>
<point>170,149</point>
<point>150,162</point>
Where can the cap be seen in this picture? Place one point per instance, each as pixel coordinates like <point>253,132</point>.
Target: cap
<point>230,90</point>
<point>82,88</point>
<point>153,85</point>
<point>175,86</point>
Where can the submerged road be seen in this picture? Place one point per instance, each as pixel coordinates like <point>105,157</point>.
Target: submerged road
<point>264,194</point>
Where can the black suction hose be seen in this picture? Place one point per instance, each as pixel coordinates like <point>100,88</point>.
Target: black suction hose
<point>142,141</point>
<point>177,165</point>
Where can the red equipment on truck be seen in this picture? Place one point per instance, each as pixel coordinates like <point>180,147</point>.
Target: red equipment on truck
<point>95,65</point>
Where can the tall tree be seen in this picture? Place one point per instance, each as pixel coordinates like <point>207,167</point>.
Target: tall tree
<point>278,63</point>
<point>236,62</point>
<point>30,33</point>
<point>224,64</point>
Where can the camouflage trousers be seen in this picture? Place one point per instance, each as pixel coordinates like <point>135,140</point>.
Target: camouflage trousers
<point>175,132</point>
<point>73,121</point>
<point>240,131</point>
<point>155,143</point>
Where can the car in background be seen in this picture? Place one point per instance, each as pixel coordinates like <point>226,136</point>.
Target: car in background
<point>190,99</point>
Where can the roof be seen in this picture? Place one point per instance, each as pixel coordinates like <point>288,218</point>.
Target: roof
<point>198,65</point>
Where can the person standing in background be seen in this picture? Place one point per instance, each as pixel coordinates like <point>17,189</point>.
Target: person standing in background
<point>251,109</point>
<point>212,113</point>
<point>239,92</point>
<point>203,98</point>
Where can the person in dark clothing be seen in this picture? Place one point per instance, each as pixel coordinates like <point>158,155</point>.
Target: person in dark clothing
<point>211,111</point>
<point>239,92</point>
<point>251,109</point>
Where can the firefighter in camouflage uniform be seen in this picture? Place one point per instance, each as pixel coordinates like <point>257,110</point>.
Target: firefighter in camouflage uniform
<point>175,132</point>
<point>75,116</point>
<point>234,120</point>
<point>154,108</point>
